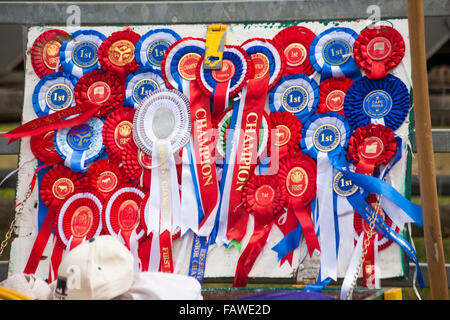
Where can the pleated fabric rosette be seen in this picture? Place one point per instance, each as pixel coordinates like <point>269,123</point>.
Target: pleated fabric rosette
<point>298,94</point>
<point>80,55</point>
<point>81,144</point>
<point>142,83</point>
<point>117,52</point>
<point>54,92</point>
<point>117,132</point>
<point>377,50</point>
<point>103,88</point>
<point>153,45</point>
<point>332,95</point>
<point>331,53</point>
<point>384,101</point>
<point>295,43</point>
<point>266,57</point>
<point>44,53</point>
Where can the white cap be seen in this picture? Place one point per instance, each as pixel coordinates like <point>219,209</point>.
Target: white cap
<point>98,269</point>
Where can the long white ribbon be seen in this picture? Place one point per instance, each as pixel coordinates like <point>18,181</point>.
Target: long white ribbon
<point>345,213</point>
<point>328,257</point>
<point>189,216</point>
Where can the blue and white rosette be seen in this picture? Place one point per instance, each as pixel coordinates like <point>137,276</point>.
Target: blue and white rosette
<point>80,55</point>
<point>142,83</point>
<point>269,51</point>
<point>193,47</point>
<point>54,92</point>
<point>324,137</point>
<point>80,145</point>
<point>331,53</point>
<point>385,101</point>
<point>297,94</point>
<point>152,46</point>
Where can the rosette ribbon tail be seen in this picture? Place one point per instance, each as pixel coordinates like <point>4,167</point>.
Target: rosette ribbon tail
<point>53,121</point>
<point>303,215</point>
<point>220,99</point>
<point>263,224</point>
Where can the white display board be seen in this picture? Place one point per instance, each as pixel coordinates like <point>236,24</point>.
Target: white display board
<point>221,262</point>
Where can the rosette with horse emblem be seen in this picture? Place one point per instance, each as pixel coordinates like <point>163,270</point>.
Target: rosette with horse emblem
<point>332,95</point>
<point>105,177</point>
<point>385,101</point>
<point>377,50</point>
<point>263,198</point>
<point>44,53</point>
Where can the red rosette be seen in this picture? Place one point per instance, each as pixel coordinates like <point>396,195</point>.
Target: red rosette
<point>332,95</point>
<point>295,41</point>
<point>59,183</point>
<point>117,131</point>
<point>289,132</point>
<point>44,53</point>
<point>104,177</point>
<point>103,88</point>
<point>121,213</point>
<point>299,173</point>
<point>378,50</point>
<point>263,197</point>
<point>116,53</point>
<point>136,164</point>
<point>78,219</point>
<point>370,147</point>
<point>43,148</point>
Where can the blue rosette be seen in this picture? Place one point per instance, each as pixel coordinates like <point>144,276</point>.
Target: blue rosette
<point>385,101</point>
<point>152,46</point>
<point>54,92</point>
<point>80,55</point>
<point>141,84</point>
<point>180,62</point>
<point>80,145</point>
<point>331,53</point>
<point>266,57</point>
<point>297,94</point>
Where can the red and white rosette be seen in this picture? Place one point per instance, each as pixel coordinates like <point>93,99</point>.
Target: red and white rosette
<point>44,53</point>
<point>267,58</point>
<point>103,88</point>
<point>332,94</point>
<point>57,185</point>
<point>79,219</point>
<point>105,177</point>
<point>116,53</point>
<point>121,215</point>
<point>288,133</point>
<point>377,50</point>
<point>227,82</point>
<point>295,41</point>
<point>263,198</point>
<point>137,165</point>
<point>370,147</point>
<point>118,131</point>
<point>371,270</point>
<point>298,175</point>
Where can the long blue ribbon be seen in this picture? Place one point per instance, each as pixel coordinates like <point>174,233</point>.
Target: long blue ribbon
<point>198,258</point>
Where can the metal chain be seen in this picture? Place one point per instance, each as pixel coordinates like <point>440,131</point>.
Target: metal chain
<point>366,244</point>
<point>19,211</point>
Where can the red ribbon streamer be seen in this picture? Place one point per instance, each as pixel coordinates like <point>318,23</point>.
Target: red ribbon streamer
<point>203,140</point>
<point>247,153</point>
<point>165,240</point>
<point>53,121</point>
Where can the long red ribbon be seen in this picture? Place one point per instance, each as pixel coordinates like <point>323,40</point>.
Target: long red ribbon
<point>165,240</point>
<point>202,137</point>
<point>303,215</point>
<point>219,99</point>
<point>54,121</point>
<point>247,153</point>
